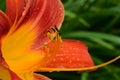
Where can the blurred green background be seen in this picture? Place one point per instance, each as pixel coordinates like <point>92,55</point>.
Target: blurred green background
<point>97,23</point>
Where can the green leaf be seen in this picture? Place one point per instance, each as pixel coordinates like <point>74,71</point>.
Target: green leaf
<point>102,43</point>
<point>2,5</point>
<point>86,34</point>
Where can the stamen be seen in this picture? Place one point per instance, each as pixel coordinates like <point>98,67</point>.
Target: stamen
<point>49,34</point>
<point>54,33</point>
<point>80,69</point>
<point>53,46</point>
<point>53,28</point>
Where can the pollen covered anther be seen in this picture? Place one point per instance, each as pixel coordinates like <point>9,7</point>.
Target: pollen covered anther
<point>54,33</point>
<point>53,46</point>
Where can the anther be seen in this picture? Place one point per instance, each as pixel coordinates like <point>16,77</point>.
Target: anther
<point>54,31</point>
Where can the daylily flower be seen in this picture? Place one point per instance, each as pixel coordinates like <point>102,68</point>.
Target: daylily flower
<point>30,41</point>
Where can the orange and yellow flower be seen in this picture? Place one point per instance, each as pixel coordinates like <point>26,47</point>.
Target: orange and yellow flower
<point>30,41</point>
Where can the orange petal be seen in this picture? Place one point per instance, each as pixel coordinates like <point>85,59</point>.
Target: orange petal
<point>80,69</point>
<point>45,13</point>
<point>6,74</point>
<point>23,45</point>
<point>4,23</point>
<point>17,49</point>
<point>73,54</point>
<point>32,76</point>
<point>14,9</point>
<point>41,15</point>
<point>40,77</point>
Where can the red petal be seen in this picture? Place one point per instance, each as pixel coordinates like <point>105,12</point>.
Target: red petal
<point>54,18</point>
<point>4,28</point>
<point>14,9</point>
<point>73,54</point>
<point>14,76</point>
<point>42,15</point>
<point>2,61</point>
<point>4,23</point>
<point>45,13</point>
<point>40,77</point>
<point>6,74</point>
